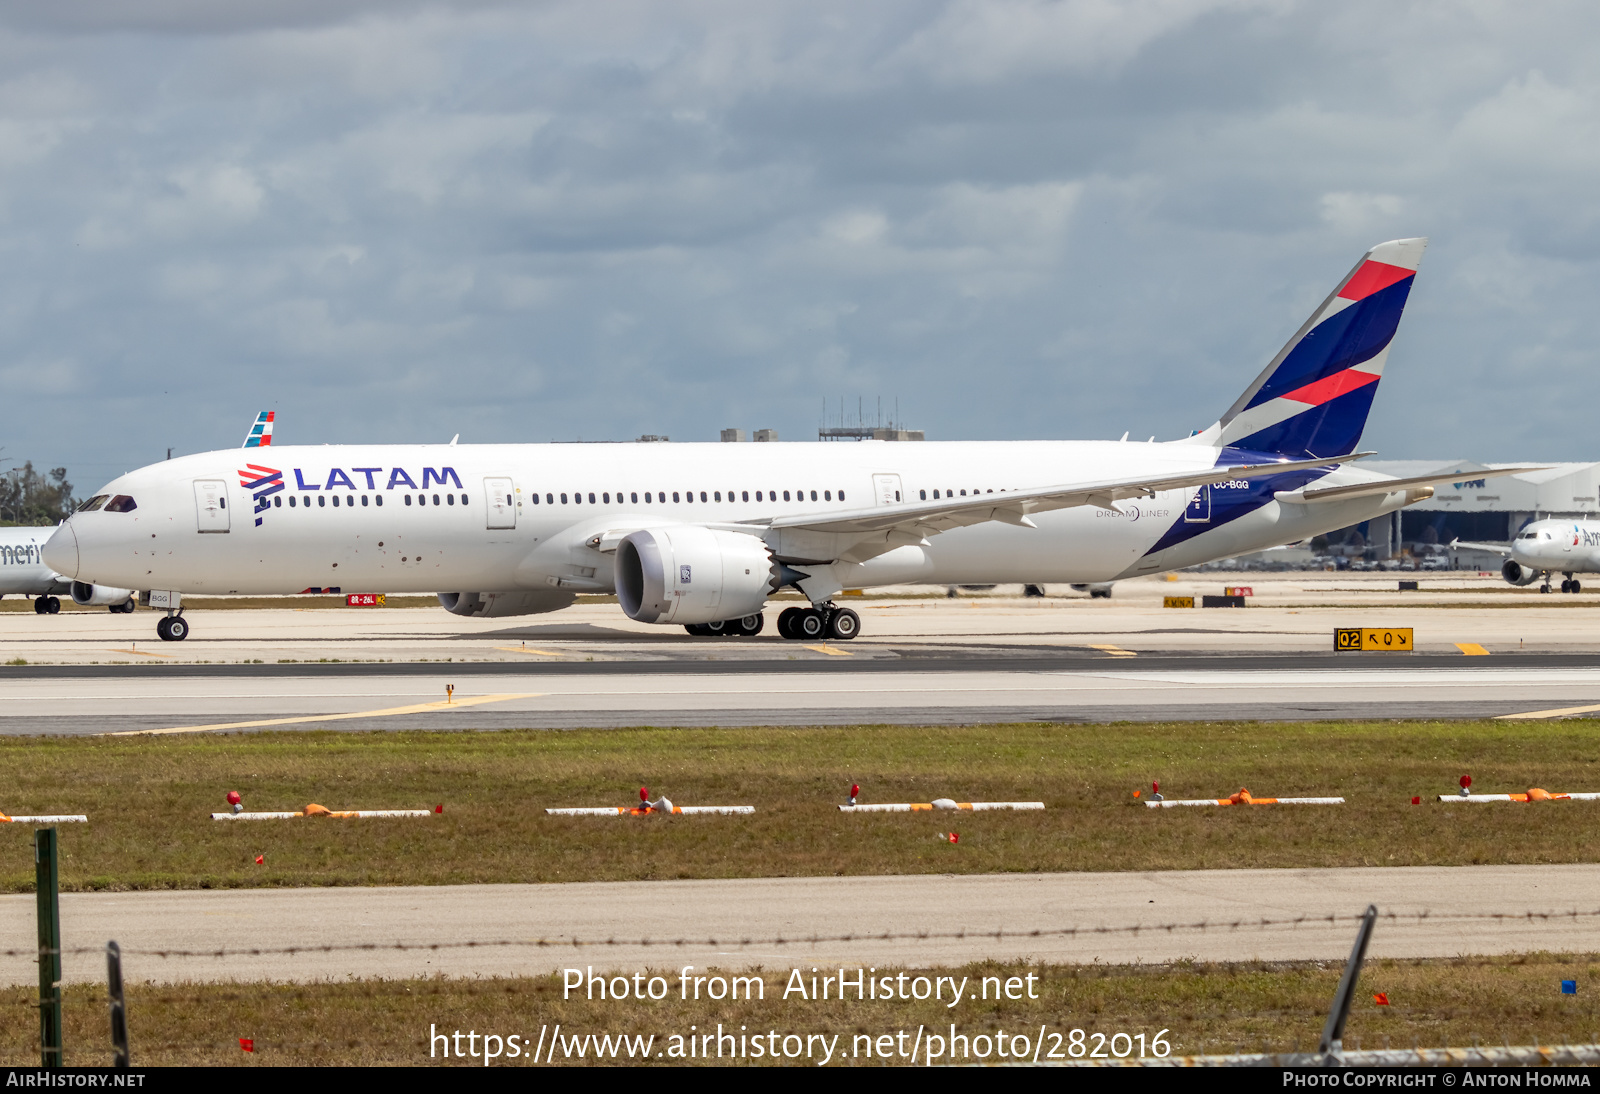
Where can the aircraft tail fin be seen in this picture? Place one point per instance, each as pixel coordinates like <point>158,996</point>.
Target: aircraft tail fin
<point>1313,399</point>
<point>260,435</point>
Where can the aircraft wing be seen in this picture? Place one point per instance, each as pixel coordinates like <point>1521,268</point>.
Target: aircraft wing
<point>1014,506</point>
<point>1495,548</point>
<point>1389,486</point>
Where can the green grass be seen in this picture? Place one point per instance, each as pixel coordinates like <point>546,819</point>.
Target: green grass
<point>1205,1008</point>
<point>148,799</point>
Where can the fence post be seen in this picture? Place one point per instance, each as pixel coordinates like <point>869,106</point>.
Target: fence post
<point>119,1012</point>
<point>49,906</point>
<point>1332,1047</point>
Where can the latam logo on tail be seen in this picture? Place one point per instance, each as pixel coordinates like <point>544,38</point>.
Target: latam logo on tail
<point>262,482</point>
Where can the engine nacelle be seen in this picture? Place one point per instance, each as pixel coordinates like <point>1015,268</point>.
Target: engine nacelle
<point>99,595</point>
<point>688,574</point>
<point>494,605</point>
<point>1517,573</point>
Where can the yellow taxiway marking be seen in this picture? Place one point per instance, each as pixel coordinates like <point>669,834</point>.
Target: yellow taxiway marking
<point>1115,651</point>
<point>1561,713</point>
<point>142,653</point>
<point>418,708</point>
<point>830,651</point>
<point>525,649</point>
<point>1472,649</point>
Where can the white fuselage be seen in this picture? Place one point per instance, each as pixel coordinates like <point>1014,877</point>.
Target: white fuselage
<point>22,568</point>
<point>433,518</point>
<point>1558,546</point>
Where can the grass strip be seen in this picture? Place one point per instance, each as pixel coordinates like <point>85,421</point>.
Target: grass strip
<point>149,800</point>
<point>1205,1008</point>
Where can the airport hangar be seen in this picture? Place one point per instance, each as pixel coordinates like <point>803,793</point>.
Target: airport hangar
<point>1476,510</point>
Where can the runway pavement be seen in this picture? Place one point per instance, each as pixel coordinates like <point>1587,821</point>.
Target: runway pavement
<point>1103,690</point>
<point>715,917</point>
<point>1483,650</point>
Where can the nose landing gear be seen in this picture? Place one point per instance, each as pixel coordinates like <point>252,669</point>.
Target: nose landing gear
<point>172,628</point>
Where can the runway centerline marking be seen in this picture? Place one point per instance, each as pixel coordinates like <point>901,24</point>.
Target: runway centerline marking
<point>418,708</point>
<point>1472,649</point>
<point>1561,712</point>
<point>830,651</point>
<point>1115,651</point>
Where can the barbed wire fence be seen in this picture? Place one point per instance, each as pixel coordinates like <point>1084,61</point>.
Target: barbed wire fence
<point>1330,1053</point>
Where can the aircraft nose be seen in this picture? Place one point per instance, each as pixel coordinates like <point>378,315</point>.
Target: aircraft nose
<point>61,551</point>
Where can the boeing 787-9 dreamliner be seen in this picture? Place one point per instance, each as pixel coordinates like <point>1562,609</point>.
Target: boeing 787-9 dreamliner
<point>702,535</point>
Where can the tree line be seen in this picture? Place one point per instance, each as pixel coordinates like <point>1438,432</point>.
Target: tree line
<point>28,496</point>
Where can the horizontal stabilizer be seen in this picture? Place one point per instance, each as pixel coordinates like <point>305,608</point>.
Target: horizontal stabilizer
<point>1390,486</point>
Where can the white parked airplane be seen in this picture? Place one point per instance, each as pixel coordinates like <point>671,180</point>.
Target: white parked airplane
<point>23,570</point>
<point>1566,547</point>
<point>702,535</point>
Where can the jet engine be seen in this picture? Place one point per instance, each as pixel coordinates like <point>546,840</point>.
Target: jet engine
<point>493,605</point>
<point>1518,573</point>
<point>689,574</point>
<point>118,600</point>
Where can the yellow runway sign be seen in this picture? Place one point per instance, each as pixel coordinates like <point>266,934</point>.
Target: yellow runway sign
<point>1177,602</point>
<point>1368,639</point>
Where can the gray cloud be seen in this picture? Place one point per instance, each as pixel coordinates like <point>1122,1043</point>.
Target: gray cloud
<point>399,222</point>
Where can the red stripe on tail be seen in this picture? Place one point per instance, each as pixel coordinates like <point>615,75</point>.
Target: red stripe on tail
<point>1331,387</point>
<point>1371,277</point>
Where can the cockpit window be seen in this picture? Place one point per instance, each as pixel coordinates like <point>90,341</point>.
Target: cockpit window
<point>93,503</point>
<point>122,503</point>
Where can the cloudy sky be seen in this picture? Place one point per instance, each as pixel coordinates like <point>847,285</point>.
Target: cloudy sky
<point>533,221</point>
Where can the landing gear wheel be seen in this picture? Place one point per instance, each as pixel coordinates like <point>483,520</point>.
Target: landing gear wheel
<point>52,605</point>
<point>161,628</point>
<point>786,620</point>
<point>1566,586</point>
<point>1577,586</point>
<point>697,629</point>
<point>1545,587</point>
<point>177,629</point>
<point>751,625</point>
<point>844,624</point>
<point>41,605</point>
<point>719,629</point>
<point>810,624</point>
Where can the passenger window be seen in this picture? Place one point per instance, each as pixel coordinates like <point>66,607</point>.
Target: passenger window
<point>924,495</point>
<point>813,495</point>
<point>451,498</point>
<point>322,500</point>
<point>377,499</point>
<point>745,495</point>
<point>841,495</point>
<point>291,501</point>
<point>786,495</point>
<point>277,502</point>
<point>647,497</point>
<point>535,497</point>
<point>674,495</point>
<point>563,499</point>
<point>963,493</point>
<point>606,497</point>
<point>591,499</point>
<point>407,497</point>
<point>717,496</point>
<point>549,499</point>
<point>635,498</point>
<point>702,495</point>
<point>464,499</point>
<point>336,501</point>
<point>827,495</point>
<point>758,495</point>
<point>363,499</point>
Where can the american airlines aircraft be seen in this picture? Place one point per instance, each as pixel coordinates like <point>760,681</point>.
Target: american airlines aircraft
<point>701,535</point>
<point>23,570</point>
<point>1566,547</point>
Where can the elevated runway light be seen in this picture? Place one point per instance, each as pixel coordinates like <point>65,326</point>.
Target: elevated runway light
<point>1466,785</point>
<point>235,801</point>
<point>855,792</point>
<point>644,795</point>
<point>449,693</point>
<point>1155,792</point>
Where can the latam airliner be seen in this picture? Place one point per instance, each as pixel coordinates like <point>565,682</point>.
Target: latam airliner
<point>703,535</point>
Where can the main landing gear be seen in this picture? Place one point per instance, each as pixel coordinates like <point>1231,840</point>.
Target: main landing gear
<point>820,622</point>
<point>746,627</point>
<point>172,628</point>
<point>46,605</point>
<point>1571,585</point>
